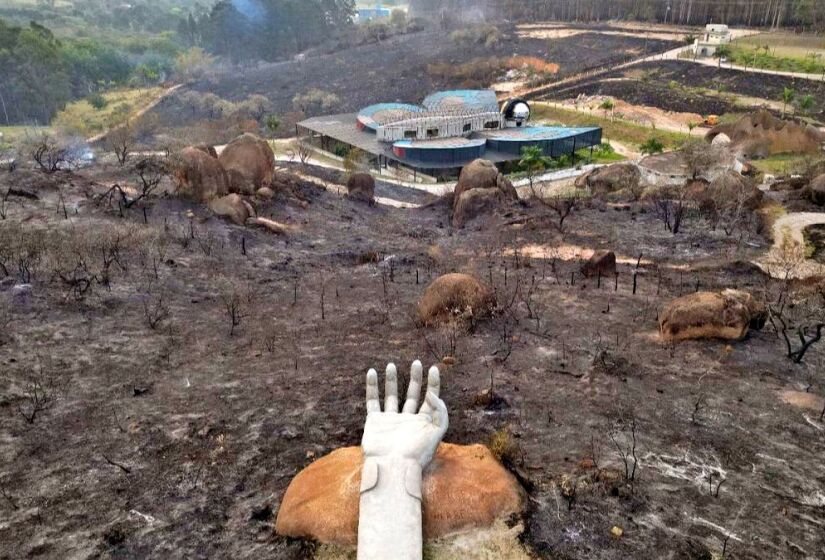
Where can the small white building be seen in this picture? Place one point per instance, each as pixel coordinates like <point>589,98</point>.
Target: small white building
<point>715,35</point>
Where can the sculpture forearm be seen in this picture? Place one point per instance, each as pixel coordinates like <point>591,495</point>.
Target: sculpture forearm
<point>390,524</point>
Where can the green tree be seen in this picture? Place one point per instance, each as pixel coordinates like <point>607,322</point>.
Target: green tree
<point>806,104</point>
<point>272,123</point>
<point>788,95</point>
<point>723,51</point>
<point>533,161</point>
<point>607,105</point>
<point>97,101</point>
<point>652,146</point>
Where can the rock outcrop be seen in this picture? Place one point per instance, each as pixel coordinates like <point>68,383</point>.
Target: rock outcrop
<point>249,164</point>
<point>481,189</point>
<point>199,176</point>
<point>611,178</point>
<point>726,315</point>
<point>475,203</point>
<point>207,149</point>
<point>601,263</point>
<point>729,192</point>
<point>816,190</point>
<point>464,487</point>
<point>760,135</point>
<point>361,187</point>
<point>455,297</point>
<point>232,207</point>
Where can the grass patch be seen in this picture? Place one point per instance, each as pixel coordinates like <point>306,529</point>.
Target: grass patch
<point>11,135</point>
<point>786,44</point>
<point>783,164</point>
<point>612,129</point>
<point>787,52</point>
<point>81,117</point>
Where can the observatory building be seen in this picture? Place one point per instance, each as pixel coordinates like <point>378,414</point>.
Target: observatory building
<point>448,130</point>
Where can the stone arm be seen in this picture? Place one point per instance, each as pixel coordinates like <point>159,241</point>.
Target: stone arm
<point>397,447</point>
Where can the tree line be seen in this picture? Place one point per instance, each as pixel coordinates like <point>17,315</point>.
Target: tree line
<point>266,29</point>
<point>804,14</point>
<point>41,73</point>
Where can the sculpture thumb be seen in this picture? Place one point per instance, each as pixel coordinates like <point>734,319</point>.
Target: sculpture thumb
<point>440,416</point>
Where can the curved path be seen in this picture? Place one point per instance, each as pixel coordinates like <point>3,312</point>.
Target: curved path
<point>778,263</point>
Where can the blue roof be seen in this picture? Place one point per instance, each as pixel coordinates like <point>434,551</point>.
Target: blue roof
<point>536,133</point>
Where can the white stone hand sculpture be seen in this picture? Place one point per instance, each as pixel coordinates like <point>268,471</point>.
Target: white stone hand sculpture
<point>397,446</point>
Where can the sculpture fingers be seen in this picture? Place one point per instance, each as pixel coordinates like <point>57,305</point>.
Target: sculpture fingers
<point>434,387</point>
<point>414,390</point>
<point>391,390</point>
<point>373,404</point>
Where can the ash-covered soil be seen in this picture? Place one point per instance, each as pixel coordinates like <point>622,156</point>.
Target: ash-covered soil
<point>670,85</point>
<point>396,70</point>
<point>179,441</point>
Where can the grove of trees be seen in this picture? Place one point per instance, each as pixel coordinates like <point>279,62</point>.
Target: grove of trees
<point>808,14</point>
<point>41,72</point>
<point>266,29</point>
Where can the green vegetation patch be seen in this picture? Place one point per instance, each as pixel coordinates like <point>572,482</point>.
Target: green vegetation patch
<point>100,112</point>
<point>612,128</point>
<point>763,52</point>
<point>784,164</point>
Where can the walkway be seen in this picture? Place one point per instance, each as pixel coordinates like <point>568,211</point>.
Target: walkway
<point>786,259</point>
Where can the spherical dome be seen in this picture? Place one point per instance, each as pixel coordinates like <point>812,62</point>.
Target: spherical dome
<point>521,111</point>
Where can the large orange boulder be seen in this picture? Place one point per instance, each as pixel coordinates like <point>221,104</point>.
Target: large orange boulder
<point>483,174</point>
<point>455,296</point>
<point>250,162</point>
<point>232,207</point>
<point>464,487</point>
<point>726,315</point>
<point>481,189</point>
<point>199,176</point>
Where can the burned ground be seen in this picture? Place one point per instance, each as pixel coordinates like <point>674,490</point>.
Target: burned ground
<point>179,441</point>
<point>676,85</point>
<point>404,68</point>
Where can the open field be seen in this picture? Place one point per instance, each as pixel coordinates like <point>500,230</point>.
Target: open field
<point>788,52</point>
<point>179,440</point>
<point>795,45</point>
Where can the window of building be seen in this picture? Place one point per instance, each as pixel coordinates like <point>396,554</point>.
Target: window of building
<point>468,127</point>
<point>491,124</point>
<point>410,134</point>
<point>432,133</point>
